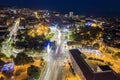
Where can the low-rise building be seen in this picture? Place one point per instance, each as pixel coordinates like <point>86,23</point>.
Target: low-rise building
<point>86,73</point>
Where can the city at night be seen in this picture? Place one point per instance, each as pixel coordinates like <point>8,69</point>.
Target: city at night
<point>59,40</point>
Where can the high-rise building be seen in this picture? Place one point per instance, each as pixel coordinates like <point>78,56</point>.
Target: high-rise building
<point>71,14</point>
<point>66,15</point>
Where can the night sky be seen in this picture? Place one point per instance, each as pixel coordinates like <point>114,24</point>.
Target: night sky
<point>85,7</point>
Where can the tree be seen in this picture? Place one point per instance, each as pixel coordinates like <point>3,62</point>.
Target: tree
<point>28,42</point>
<point>22,58</point>
<point>2,62</point>
<point>33,72</point>
<point>117,55</point>
<point>1,78</point>
<point>2,55</point>
<point>12,56</point>
<point>7,74</point>
<point>87,34</point>
<point>96,46</point>
<point>40,30</point>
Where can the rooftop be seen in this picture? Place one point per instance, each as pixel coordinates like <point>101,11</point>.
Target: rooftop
<point>87,71</point>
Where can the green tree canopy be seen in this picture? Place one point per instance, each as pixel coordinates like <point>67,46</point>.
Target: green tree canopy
<point>22,58</point>
<point>33,72</point>
<point>96,46</point>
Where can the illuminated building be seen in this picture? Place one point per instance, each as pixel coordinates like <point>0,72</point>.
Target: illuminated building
<point>93,25</point>
<point>66,15</point>
<point>88,24</point>
<point>8,67</point>
<point>71,14</point>
<point>84,70</point>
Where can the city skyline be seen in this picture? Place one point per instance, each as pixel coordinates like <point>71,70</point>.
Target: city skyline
<point>87,7</point>
<point>59,40</point>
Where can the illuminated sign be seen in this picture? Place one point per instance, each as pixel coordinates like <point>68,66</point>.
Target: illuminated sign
<point>47,43</point>
<point>7,67</point>
<point>88,24</point>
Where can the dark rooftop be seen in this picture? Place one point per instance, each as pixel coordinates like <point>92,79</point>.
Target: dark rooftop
<point>87,71</point>
<point>105,68</point>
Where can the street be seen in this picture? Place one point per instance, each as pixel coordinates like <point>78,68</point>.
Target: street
<point>55,60</point>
